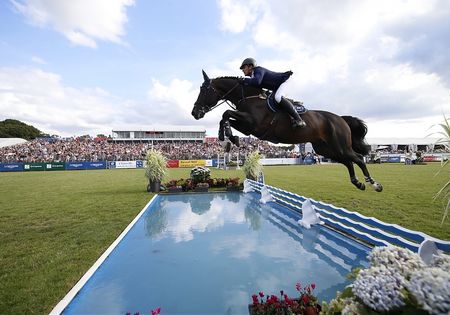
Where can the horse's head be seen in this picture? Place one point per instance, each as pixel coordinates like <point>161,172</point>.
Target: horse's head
<point>207,98</point>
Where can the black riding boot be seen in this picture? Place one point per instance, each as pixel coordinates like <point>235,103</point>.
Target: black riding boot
<point>287,106</point>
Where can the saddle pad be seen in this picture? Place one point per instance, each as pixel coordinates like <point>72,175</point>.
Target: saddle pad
<point>274,107</point>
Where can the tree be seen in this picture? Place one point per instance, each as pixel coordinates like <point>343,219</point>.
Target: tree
<point>11,128</point>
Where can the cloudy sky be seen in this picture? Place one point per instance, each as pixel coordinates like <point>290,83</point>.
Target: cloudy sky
<point>90,66</point>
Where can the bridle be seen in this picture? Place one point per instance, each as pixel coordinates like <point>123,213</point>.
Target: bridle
<point>206,108</point>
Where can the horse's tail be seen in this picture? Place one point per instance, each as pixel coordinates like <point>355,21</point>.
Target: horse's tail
<point>359,131</point>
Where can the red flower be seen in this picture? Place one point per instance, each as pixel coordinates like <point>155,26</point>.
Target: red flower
<point>255,299</point>
<point>313,286</point>
<point>156,311</point>
<point>305,299</point>
<point>261,294</point>
<point>298,286</point>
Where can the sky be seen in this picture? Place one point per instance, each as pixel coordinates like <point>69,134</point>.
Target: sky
<point>90,66</point>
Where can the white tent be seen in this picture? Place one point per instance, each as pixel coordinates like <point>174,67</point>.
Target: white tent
<point>6,142</point>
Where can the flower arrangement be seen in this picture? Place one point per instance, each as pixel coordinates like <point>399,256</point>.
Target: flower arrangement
<point>396,281</point>
<point>156,168</point>
<point>252,166</point>
<point>306,303</point>
<point>200,174</point>
<point>188,184</point>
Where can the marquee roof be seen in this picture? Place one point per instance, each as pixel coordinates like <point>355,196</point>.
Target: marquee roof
<point>6,142</point>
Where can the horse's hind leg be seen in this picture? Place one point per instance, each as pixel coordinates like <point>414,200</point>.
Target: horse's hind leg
<point>353,178</point>
<point>359,160</point>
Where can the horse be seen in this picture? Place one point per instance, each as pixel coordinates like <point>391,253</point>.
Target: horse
<point>340,138</point>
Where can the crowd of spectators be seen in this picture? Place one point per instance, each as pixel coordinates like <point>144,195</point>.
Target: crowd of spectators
<point>89,149</point>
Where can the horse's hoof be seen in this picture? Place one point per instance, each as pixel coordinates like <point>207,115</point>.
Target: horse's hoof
<point>378,188</point>
<point>235,140</point>
<point>362,186</point>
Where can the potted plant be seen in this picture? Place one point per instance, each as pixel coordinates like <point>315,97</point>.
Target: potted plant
<point>155,170</point>
<point>200,176</point>
<point>252,166</point>
<point>305,304</point>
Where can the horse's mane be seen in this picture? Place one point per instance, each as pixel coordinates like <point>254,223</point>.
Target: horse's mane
<point>248,88</point>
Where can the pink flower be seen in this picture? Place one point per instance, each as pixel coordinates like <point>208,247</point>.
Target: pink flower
<point>261,294</point>
<point>298,286</point>
<point>313,286</point>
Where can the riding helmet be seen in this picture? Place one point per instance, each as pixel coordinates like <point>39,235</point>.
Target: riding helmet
<point>248,61</point>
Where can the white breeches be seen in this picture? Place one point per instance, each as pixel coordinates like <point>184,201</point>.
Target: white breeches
<point>285,86</point>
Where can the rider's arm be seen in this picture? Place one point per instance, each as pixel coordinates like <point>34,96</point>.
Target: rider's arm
<point>256,79</point>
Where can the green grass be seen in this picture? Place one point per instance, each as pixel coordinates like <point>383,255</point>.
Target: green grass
<point>54,225</point>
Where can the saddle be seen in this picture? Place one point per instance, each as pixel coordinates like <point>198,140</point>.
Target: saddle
<point>273,106</point>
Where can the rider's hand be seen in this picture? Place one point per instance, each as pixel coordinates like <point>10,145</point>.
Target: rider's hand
<point>241,80</point>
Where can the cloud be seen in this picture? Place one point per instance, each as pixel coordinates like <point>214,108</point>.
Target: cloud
<point>38,60</point>
<point>41,99</point>
<point>82,22</point>
<point>172,104</point>
<point>236,16</point>
<point>382,61</point>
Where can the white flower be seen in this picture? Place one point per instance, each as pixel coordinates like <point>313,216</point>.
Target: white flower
<point>401,259</point>
<point>380,288</point>
<point>352,307</point>
<point>431,288</point>
<point>441,261</point>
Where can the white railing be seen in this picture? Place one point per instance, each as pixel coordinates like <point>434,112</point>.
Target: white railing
<point>368,229</point>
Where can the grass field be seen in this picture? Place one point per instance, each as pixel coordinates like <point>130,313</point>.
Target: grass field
<point>54,225</point>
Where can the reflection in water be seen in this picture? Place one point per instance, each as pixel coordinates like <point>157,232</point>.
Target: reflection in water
<point>201,205</point>
<point>156,222</point>
<point>242,246</point>
<point>233,197</point>
<point>253,216</point>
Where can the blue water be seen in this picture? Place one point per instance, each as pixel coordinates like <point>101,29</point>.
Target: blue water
<point>208,253</point>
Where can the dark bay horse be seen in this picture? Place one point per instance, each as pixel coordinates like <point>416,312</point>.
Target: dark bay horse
<point>340,138</point>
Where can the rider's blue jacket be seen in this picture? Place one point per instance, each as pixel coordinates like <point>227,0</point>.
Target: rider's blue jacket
<point>267,79</point>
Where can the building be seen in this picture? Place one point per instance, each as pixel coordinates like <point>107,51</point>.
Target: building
<point>158,134</point>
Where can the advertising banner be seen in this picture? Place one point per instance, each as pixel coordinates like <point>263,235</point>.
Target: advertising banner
<point>95,165</point>
<point>209,163</point>
<point>34,167</point>
<point>173,163</point>
<point>55,166</point>
<point>192,163</point>
<point>75,166</point>
<point>85,165</point>
<point>214,163</point>
<point>11,167</point>
<point>125,164</point>
<point>394,159</point>
<point>139,164</point>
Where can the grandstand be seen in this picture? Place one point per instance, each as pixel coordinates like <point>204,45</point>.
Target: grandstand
<point>158,134</point>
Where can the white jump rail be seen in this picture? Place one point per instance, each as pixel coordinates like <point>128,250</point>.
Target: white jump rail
<point>368,229</point>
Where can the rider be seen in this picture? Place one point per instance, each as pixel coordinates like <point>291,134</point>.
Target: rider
<point>264,78</point>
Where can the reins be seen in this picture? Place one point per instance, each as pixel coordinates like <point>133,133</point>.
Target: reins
<point>223,97</point>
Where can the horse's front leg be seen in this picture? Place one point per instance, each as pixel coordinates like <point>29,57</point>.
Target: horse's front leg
<point>229,119</point>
